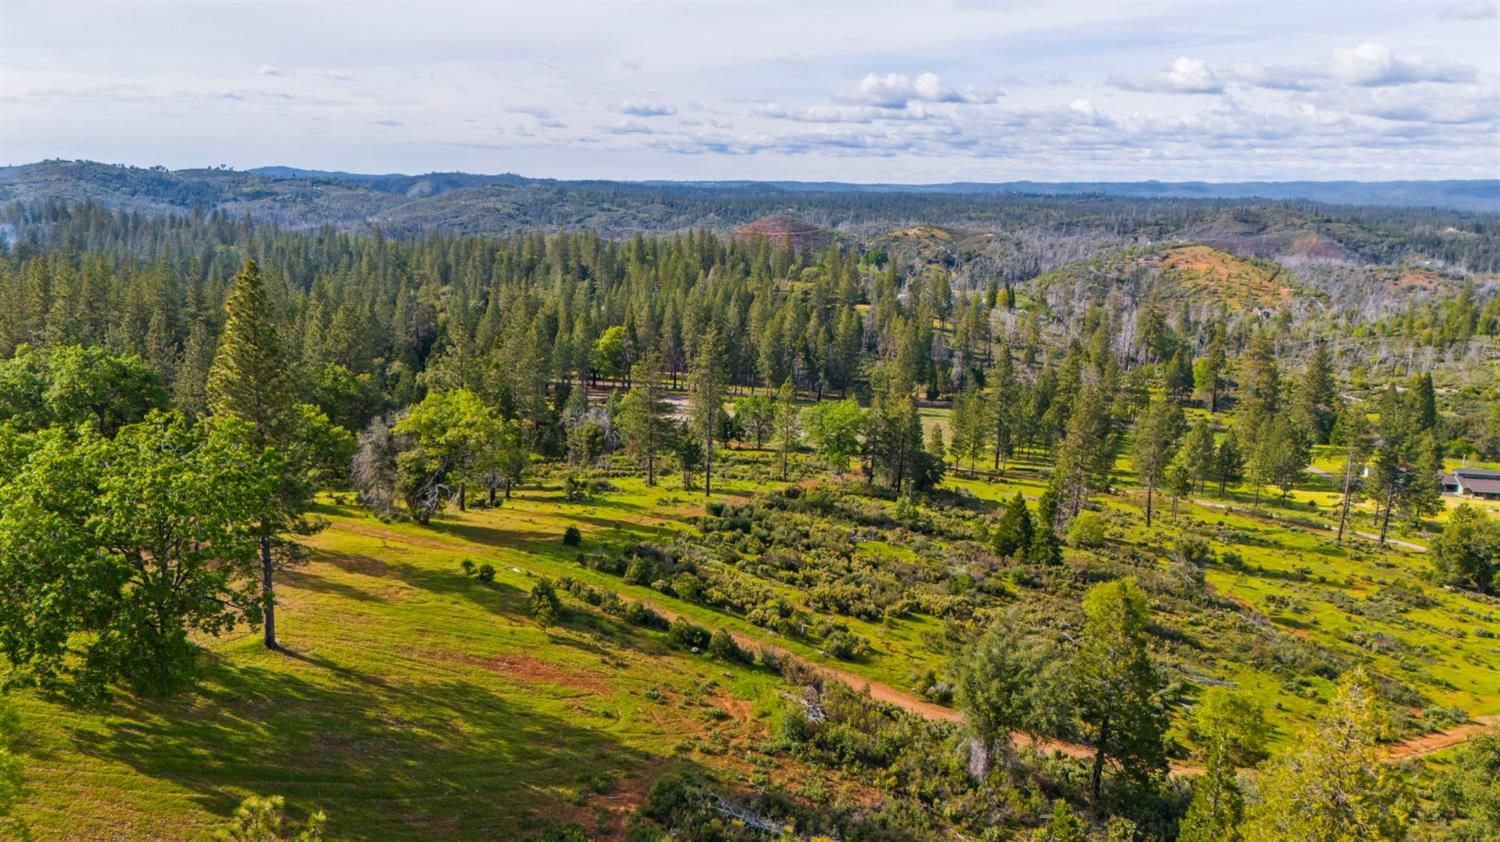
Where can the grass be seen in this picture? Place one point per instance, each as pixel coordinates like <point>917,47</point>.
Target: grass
<point>417,701</point>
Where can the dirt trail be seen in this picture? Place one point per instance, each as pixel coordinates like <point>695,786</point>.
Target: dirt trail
<point>912,703</point>
<point>1438,740</point>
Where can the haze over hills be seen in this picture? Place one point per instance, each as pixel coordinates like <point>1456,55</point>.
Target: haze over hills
<point>464,202</point>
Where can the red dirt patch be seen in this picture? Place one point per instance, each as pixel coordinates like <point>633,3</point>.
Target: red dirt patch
<point>1429,743</point>
<point>782,231</point>
<point>523,668</point>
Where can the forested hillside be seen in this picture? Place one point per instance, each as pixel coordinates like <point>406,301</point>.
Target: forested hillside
<point>909,516</point>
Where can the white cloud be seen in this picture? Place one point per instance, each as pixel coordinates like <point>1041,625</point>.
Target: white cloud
<point>268,70</point>
<point>1414,105</point>
<point>1373,64</point>
<point>1468,11</point>
<point>842,113</point>
<point>628,127</point>
<point>645,108</point>
<point>1279,77</point>
<point>1185,76</point>
<point>897,90</point>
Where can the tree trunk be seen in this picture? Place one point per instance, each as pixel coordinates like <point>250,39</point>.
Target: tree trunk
<point>1344,505</point>
<point>492,496</point>
<point>708,466</point>
<point>267,596</point>
<point>1150,487</point>
<point>463,498</point>
<point>1385,518</point>
<point>1097,777</point>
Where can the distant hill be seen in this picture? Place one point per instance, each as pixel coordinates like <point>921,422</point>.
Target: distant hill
<point>981,232</point>
<point>464,202</point>
<point>783,231</point>
<point>1193,274</point>
<point>1477,194</point>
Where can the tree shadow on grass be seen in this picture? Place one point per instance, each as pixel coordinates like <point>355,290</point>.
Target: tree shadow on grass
<point>430,759</point>
<point>300,577</point>
<point>496,597</point>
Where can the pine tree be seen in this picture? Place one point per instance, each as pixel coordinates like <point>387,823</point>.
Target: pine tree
<point>1156,432</point>
<point>249,376</point>
<point>1086,453</point>
<point>1002,406</point>
<point>643,413</point>
<point>706,399</point>
<point>1334,784</point>
<point>788,426</point>
<point>248,380</point>
<point>1354,431</point>
<point>1229,465</point>
<point>1315,395</point>
<point>1208,373</point>
<point>1198,452</point>
<point>1117,686</point>
<point>1014,534</point>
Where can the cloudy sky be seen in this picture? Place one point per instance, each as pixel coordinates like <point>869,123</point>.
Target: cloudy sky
<point>981,91</point>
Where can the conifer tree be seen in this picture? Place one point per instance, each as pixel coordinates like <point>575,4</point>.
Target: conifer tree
<point>1333,784</point>
<point>1199,452</point>
<point>643,413</point>
<point>706,399</point>
<point>788,424</point>
<point>1014,534</point>
<point>1002,407</point>
<point>1117,686</point>
<point>248,380</point>
<point>1156,432</point>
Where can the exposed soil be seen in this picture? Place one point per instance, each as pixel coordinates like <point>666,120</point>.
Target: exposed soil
<point>1439,740</point>
<point>782,231</point>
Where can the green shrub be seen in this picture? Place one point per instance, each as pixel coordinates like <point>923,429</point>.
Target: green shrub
<point>1086,530</point>
<point>572,537</point>
<point>685,633</point>
<point>486,573</point>
<point>544,605</point>
<point>723,647</point>
<point>468,567</point>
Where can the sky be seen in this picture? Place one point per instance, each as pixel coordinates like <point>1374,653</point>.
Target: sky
<point>864,92</point>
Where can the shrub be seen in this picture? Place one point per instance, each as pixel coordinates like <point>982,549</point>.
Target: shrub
<point>723,647</point>
<point>1194,551</point>
<point>468,567</point>
<point>685,633</point>
<point>641,614</point>
<point>572,537</point>
<point>544,605</point>
<point>641,571</point>
<point>264,818</point>
<point>1086,530</point>
<point>486,573</point>
<point>570,832</point>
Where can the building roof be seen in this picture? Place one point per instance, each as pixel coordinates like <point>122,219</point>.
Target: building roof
<point>1478,481</point>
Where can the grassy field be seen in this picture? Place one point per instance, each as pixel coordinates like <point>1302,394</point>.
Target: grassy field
<point>413,698</point>
<point>416,700</point>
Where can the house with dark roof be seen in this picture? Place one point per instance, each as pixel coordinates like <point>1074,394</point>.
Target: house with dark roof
<point>1473,482</point>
